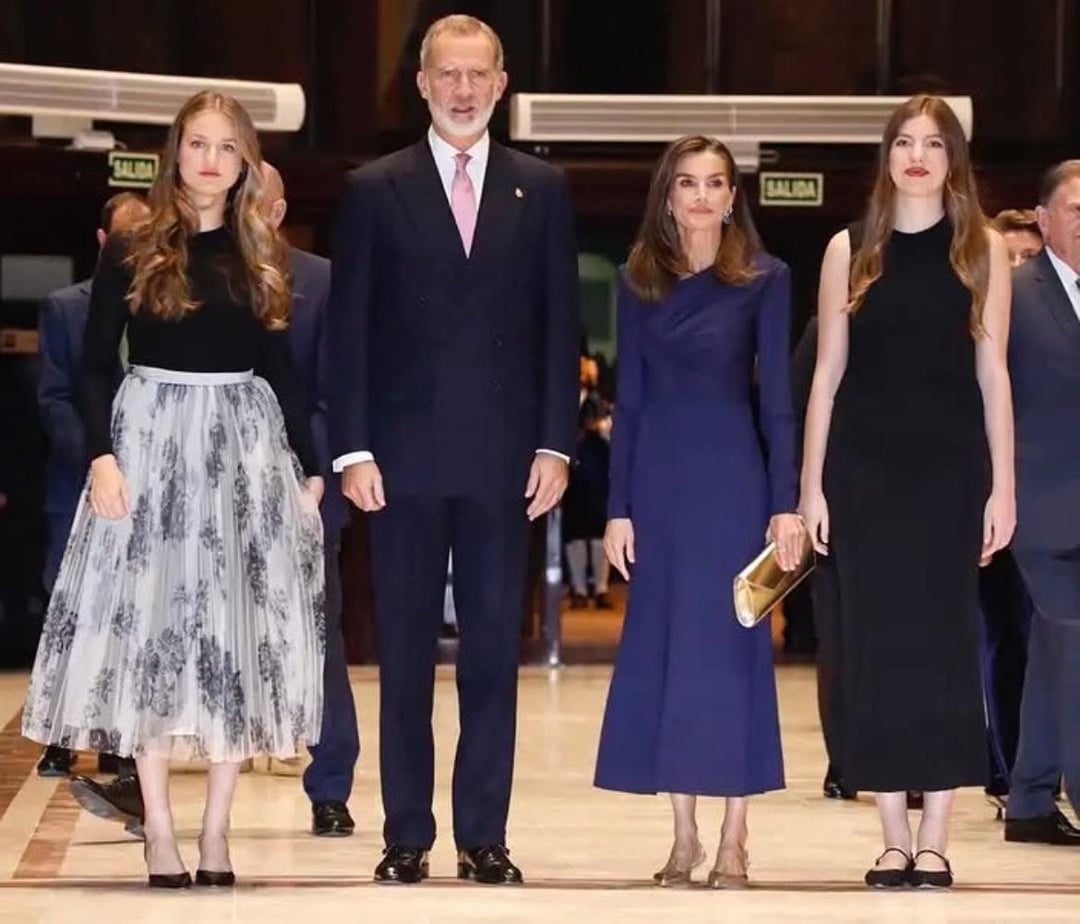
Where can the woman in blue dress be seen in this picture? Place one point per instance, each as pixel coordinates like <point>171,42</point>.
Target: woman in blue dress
<point>703,466</point>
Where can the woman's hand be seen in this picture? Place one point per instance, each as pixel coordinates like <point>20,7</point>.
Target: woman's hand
<point>108,489</point>
<point>619,544</point>
<point>999,521</point>
<point>815,514</point>
<point>314,488</point>
<point>787,531</point>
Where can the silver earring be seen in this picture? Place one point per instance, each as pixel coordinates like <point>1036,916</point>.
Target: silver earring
<point>728,212</point>
<point>669,210</point>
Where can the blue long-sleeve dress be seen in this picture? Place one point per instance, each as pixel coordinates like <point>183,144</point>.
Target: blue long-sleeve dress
<point>702,455</point>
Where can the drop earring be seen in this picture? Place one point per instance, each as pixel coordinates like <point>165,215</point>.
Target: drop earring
<point>728,212</point>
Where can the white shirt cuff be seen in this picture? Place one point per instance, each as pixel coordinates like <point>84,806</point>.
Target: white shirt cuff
<point>552,452</point>
<point>351,458</point>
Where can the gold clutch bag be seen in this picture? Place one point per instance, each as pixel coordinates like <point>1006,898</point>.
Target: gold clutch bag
<point>762,584</point>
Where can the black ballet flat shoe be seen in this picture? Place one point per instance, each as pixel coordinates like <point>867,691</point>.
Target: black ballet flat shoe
<point>223,879</point>
<point>931,878</point>
<point>878,878</point>
<point>169,880</point>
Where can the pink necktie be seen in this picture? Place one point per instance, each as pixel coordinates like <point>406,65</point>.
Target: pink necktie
<point>463,201</point>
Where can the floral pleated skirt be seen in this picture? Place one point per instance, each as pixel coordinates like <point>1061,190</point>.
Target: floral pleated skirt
<point>194,626</point>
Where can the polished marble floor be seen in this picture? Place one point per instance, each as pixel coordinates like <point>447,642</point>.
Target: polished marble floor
<point>585,853</point>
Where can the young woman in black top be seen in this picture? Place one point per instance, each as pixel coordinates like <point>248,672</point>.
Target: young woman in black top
<point>187,616</point>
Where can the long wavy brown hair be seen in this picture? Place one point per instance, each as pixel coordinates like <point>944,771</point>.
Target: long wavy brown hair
<point>657,259</point>
<point>969,252</point>
<point>159,249</point>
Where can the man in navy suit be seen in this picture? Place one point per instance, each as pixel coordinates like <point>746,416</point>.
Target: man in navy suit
<point>454,377</point>
<point>61,322</point>
<point>328,779</point>
<point>1044,364</point>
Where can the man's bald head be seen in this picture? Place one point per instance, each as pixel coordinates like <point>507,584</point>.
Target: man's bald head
<point>274,204</point>
<point>120,214</point>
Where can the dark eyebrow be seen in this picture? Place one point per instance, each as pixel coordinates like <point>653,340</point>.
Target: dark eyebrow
<point>709,177</point>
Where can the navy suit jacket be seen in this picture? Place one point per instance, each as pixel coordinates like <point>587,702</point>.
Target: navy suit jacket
<point>1044,365</point>
<point>452,369</point>
<point>61,325</point>
<point>310,275</point>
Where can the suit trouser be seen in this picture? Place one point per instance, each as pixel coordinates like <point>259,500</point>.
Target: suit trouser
<point>1006,611</point>
<point>411,540</point>
<point>329,777</point>
<point>1049,720</point>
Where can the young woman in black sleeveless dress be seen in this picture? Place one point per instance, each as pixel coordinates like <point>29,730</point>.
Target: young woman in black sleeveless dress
<point>908,475</point>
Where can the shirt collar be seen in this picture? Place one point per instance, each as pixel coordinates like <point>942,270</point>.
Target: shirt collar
<point>443,151</point>
<point>1067,273</point>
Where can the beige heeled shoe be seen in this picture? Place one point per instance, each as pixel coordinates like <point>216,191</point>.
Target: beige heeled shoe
<point>730,871</point>
<point>673,875</point>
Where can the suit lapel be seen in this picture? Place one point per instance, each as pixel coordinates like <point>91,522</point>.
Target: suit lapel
<point>424,198</point>
<point>1057,300</point>
<point>501,203</point>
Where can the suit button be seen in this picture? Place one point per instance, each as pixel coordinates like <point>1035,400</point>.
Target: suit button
<point>498,343</point>
<point>422,300</point>
<point>498,385</point>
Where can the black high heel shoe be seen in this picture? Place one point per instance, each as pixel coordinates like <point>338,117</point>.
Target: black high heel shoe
<point>890,878</point>
<point>932,878</point>
<point>224,879</point>
<point>165,880</point>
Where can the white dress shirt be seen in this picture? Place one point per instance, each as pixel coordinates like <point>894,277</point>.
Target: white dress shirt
<point>444,154</point>
<point>1068,278</point>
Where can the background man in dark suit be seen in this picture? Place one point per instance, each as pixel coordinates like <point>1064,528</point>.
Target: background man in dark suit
<point>61,322</point>
<point>1044,364</point>
<point>328,779</point>
<point>454,360</point>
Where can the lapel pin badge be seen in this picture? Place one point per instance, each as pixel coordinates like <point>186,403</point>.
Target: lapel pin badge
<point>519,192</point>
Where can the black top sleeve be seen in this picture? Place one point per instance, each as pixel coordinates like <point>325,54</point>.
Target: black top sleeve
<point>105,324</point>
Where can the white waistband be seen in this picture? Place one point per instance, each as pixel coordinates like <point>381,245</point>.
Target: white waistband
<point>180,377</point>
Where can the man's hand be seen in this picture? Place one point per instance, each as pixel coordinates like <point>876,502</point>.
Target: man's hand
<point>547,482</point>
<point>362,484</point>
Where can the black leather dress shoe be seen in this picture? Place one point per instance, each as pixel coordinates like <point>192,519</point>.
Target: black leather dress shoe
<point>331,819</point>
<point>834,787</point>
<point>111,765</point>
<point>121,800</point>
<point>1054,828</point>
<point>488,865</point>
<point>55,762</point>
<point>406,865</point>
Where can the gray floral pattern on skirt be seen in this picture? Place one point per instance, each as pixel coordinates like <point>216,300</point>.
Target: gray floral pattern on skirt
<point>194,626</point>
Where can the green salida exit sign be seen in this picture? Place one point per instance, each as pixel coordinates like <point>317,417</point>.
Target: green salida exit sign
<point>134,171</point>
<point>792,188</point>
